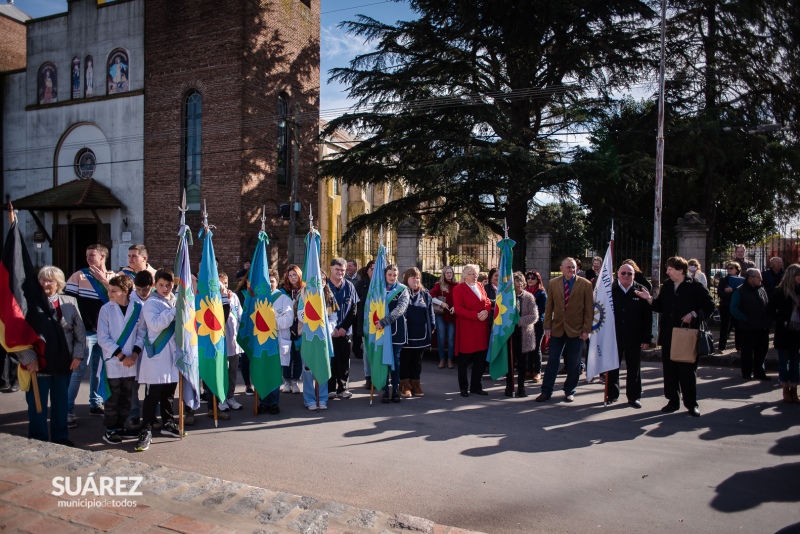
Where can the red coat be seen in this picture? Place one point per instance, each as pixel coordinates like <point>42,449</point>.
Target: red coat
<point>472,335</point>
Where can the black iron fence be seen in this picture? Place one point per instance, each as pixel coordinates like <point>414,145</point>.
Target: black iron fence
<point>631,241</point>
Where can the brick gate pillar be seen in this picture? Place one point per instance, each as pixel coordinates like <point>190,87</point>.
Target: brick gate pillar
<point>538,238</point>
<point>692,235</point>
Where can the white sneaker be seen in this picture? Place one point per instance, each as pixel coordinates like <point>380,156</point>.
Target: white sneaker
<point>345,394</point>
<point>233,405</point>
<point>295,387</point>
<point>223,406</point>
<point>287,386</point>
<point>313,407</point>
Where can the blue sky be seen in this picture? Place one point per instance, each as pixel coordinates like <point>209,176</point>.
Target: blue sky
<point>336,46</point>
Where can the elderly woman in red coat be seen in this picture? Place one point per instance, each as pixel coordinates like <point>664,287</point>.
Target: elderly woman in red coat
<point>472,309</point>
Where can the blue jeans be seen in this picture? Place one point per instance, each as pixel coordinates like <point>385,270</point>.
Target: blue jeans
<point>367,368</point>
<point>788,366</point>
<point>295,367</point>
<point>395,373</point>
<point>309,396</point>
<point>572,347</point>
<point>92,354</point>
<point>446,334</point>
<point>55,389</point>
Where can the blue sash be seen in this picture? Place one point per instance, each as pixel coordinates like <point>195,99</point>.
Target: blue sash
<point>99,288</point>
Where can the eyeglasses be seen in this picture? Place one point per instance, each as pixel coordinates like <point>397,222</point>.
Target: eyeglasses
<point>530,277</point>
<point>625,273</point>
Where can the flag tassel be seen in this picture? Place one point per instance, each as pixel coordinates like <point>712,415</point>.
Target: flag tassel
<point>36,398</point>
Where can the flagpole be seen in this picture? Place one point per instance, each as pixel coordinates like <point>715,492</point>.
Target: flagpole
<point>255,401</point>
<point>263,222</point>
<point>214,402</point>
<point>611,247</point>
<point>180,406</point>
<point>316,392</point>
<point>511,356</point>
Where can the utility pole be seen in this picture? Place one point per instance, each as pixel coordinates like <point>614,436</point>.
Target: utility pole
<point>295,180</point>
<point>656,272</point>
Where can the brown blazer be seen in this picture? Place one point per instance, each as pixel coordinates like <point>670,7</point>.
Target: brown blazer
<point>578,316</point>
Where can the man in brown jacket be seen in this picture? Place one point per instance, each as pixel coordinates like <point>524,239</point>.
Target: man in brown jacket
<point>567,324</point>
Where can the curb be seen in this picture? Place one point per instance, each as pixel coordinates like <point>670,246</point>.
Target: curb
<point>207,505</point>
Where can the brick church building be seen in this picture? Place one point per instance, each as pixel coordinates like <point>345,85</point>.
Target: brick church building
<point>124,104</point>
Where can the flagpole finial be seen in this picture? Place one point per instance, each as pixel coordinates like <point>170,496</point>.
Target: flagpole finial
<point>380,235</point>
<point>310,216</point>
<point>183,208</point>
<point>12,213</point>
<point>505,227</point>
<point>205,215</point>
<point>263,217</point>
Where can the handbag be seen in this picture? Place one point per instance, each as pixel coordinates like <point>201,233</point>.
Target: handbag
<point>438,310</point>
<point>705,340</point>
<point>684,345</point>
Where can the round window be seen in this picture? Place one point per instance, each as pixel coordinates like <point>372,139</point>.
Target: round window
<point>85,163</point>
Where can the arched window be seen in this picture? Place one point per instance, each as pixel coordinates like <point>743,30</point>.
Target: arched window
<point>48,83</point>
<point>192,147</point>
<point>283,162</point>
<point>118,80</point>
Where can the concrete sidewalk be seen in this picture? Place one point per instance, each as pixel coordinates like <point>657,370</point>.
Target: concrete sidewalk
<point>171,500</point>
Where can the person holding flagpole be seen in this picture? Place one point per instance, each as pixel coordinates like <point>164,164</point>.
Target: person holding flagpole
<point>472,308</point>
<point>633,322</point>
<point>523,339</point>
<point>397,301</point>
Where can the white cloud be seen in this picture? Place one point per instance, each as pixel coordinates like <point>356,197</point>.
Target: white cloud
<point>340,47</point>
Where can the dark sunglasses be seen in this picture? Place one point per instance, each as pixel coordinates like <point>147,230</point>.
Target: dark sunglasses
<point>625,273</point>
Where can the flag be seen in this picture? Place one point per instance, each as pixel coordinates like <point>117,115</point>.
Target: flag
<point>378,343</point>
<point>316,343</point>
<point>185,325</point>
<point>603,354</point>
<point>26,322</point>
<point>210,319</point>
<point>258,329</point>
<point>506,314</point>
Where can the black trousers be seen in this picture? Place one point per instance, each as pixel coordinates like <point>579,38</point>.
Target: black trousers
<point>679,378</point>
<point>726,324</point>
<point>632,355</point>
<point>755,344</point>
<point>8,366</point>
<point>520,359</point>
<point>245,361</point>
<point>340,365</point>
<point>535,356</point>
<point>118,405</point>
<point>411,363</point>
<point>155,394</point>
<point>477,360</point>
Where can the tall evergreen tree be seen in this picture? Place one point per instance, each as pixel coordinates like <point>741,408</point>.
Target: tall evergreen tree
<point>465,106</point>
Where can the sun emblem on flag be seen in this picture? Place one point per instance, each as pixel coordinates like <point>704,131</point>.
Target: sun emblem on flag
<point>599,317</point>
<point>377,310</point>
<point>499,309</point>
<point>313,311</point>
<point>210,319</point>
<point>264,325</point>
<point>190,326</point>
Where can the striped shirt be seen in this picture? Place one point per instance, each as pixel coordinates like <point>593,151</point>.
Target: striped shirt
<point>89,302</point>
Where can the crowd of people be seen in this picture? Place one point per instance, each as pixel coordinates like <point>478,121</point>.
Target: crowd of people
<point>120,326</point>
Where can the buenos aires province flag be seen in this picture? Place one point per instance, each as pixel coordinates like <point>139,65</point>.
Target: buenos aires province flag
<point>185,326</point>
<point>316,344</point>
<point>603,354</point>
<point>378,342</point>
<point>505,315</point>
<point>258,330</point>
<point>210,322</point>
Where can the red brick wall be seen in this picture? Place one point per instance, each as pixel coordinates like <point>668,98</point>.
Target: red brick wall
<point>12,45</point>
<point>239,54</point>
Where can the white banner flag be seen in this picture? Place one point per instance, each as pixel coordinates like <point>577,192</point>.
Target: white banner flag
<point>603,353</point>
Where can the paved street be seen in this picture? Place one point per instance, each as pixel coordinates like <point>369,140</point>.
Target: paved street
<point>503,465</point>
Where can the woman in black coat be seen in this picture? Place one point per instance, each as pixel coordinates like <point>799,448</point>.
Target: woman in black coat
<point>421,322</point>
<point>680,301</point>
